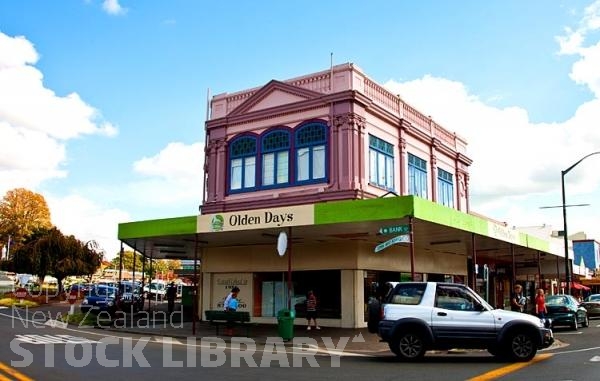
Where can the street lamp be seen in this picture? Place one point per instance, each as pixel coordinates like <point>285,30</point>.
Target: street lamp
<point>564,210</point>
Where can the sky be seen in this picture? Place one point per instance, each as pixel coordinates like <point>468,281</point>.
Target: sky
<point>103,102</point>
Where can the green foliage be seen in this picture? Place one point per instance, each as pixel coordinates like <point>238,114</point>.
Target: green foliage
<point>79,318</point>
<point>49,252</point>
<point>128,261</point>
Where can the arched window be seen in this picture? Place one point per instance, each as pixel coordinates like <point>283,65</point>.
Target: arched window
<point>275,152</point>
<point>311,153</point>
<point>242,169</point>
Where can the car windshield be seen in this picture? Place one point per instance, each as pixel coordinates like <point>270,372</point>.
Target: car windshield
<point>104,291</point>
<point>556,301</point>
<point>593,298</point>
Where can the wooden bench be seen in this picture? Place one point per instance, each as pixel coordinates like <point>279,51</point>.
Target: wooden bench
<point>231,318</point>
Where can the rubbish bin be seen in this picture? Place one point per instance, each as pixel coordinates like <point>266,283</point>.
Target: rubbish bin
<point>285,320</point>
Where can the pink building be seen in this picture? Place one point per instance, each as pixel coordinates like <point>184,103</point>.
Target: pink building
<point>331,135</point>
<point>317,157</point>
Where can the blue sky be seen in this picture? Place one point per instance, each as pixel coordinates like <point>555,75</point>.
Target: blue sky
<point>103,102</point>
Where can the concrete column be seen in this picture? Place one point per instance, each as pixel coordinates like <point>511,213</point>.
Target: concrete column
<point>352,299</point>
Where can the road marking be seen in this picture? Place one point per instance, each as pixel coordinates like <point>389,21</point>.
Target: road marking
<point>595,359</point>
<point>13,372</point>
<point>497,373</point>
<point>167,340</point>
<point>53,339</point>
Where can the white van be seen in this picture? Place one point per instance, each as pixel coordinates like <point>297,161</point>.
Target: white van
<point>157,289</point>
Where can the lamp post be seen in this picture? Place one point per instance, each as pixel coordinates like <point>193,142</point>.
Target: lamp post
<point>564,210</point>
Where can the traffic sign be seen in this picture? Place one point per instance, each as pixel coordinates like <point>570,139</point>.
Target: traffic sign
<point>397,229</point>
<point>21,293</point>
<point>72,297</point>
<point>405,238</point>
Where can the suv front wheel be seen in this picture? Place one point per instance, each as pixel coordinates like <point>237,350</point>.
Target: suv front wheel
<point>520,346</point>
<point>408,346</point>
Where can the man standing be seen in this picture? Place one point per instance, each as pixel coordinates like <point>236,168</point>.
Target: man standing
<point>171,295</point>
<point>517,300</point>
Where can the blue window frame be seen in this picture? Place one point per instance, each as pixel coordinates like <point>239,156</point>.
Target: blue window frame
<point>242,169</point>
<point>381,163</point>
<point>445,189</point>
<point>311,153</point>
<point>275,158</point>
<point>417,176</point>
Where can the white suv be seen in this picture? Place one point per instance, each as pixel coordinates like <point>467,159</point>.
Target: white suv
<point>419,316</point>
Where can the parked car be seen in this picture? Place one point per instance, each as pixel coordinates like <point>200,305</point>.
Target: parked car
<point>157,289</point>
<point>100,298</point>
<point>79,288</point>
<point>131,297</point>
<point>6,284</point>
<point>592,304</point>
<point>416,317</point>
<point>565,310</point>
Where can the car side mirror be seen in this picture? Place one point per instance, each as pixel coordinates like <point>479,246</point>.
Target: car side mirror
<point>479,307</point>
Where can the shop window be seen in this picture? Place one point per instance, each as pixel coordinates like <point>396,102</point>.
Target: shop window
<point>445,188</point>
<point>275,158</point>
<point>417,176</point>
<point>272,288</point>
<point>381,163</point>
<point>311,153</point>
<point>242,169</point>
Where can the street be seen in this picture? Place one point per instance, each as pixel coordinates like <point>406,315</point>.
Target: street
<point>33,349</point>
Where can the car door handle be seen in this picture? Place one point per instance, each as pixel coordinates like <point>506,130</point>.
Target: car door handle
<point>442,314</point>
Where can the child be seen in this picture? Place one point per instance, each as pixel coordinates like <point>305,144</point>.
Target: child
<point>311,310</point>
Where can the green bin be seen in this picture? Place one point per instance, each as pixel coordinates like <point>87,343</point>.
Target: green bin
<point>285,321</point>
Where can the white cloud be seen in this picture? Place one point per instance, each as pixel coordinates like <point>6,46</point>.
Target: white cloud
<point>36,123</point>
<point>585,71</point>
<point>172,177</point>
<point>516,163</point>
<point>113,7</point>
<point>35,126</point>
<point>87,221</point>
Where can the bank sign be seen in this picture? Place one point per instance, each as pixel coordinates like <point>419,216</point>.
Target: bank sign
<point>257,219</point>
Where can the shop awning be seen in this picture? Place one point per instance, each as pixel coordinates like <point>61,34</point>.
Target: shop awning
<point>579,286</point>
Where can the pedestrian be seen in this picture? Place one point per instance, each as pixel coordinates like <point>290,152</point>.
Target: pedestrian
<point>517,300</point>
<point>233,294</point>
<point>311,310</point>
<point>540,304</point>
<point>231,305</point>
<point>171,295</point>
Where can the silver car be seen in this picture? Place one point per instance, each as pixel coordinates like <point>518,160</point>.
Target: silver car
<point>592,304</point>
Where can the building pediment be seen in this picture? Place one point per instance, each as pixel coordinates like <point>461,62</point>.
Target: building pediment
<point>273,94</point>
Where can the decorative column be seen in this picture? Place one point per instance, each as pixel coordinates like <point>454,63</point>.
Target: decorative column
<point>349,159</point>
<point>434,169</point>
<point>220,169</point>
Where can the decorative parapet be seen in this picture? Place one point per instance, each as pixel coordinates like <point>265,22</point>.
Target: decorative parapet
<point>349,77</point>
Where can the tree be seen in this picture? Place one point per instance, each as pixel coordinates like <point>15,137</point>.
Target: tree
<point>22,212</point>
<point>49,252</point>
<point>128,261</point>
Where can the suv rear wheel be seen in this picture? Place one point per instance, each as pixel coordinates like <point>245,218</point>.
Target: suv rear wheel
<point>408,346</point>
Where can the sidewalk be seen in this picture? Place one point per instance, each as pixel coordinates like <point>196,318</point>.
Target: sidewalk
<point>358,340</point>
